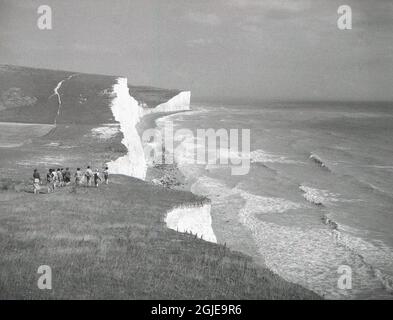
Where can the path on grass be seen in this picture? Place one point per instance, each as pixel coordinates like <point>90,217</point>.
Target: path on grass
<point>56,92</point>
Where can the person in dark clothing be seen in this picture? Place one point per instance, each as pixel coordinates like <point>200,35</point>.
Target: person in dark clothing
<point>67,176</point>
<point>49,181</point>
<point>106,175</point>
<point>96,178</point>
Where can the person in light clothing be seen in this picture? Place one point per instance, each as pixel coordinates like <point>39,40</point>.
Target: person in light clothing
<point>36,181</point>
<point>59,177</point>
<point>88,175</point>
<point>78,176</point>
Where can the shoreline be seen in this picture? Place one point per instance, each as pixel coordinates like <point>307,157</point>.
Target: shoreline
<point>170,176</point>
<point>167,175</point>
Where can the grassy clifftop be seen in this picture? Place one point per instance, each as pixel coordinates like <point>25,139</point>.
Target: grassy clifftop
<point>27,95</point>
<point>152,96</point>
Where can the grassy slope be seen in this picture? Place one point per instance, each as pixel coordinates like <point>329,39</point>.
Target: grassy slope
<point>151,96</point>
<point>85,94</point>
<point>111,242</point>
<point>35,83</point>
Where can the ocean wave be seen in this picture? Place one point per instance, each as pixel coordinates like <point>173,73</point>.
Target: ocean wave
<point>199,110</point>
<point>318,160</point>
<point>375,188</point>
<point>162,121</point>
<point>263,204</point>
<point>261,156</point>
<point>312,195</point>
<point>256,157</point>
<point>318,196</point>
<point>330,222</point>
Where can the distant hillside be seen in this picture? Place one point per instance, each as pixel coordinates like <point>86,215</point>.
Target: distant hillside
<point>152,96</point>
<point>25,92</point>
<point>27,95</point>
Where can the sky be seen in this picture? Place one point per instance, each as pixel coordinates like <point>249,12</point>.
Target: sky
<point>218,49</point>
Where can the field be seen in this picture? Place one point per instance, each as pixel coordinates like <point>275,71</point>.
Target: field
<point>105,243</point>
<point>16,134</point>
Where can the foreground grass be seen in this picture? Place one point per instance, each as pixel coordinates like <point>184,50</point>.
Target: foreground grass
<point>112,243</point>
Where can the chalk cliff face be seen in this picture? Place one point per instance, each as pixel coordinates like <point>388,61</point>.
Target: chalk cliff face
<point>180,102</point>
<point>196,220</point>
<point>128,113</point>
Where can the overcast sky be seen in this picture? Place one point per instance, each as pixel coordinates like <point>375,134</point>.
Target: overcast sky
<point>256,49</point>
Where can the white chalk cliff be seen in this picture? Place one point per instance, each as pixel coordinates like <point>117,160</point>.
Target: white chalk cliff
<point>127,112</point>
<point>180,102</point>
<point>196,220</point>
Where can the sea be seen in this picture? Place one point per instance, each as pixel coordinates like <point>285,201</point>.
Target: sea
<point>317,202</point>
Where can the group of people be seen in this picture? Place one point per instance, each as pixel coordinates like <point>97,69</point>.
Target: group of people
<point>61,178</point>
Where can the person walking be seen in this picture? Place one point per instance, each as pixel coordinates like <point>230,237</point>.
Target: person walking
<point>88,175</point>
<point>78,176</point>
<point>96,178</point>
<point>59,177</point>
<point>49,181</point>
<point>63,175</point>
<point>55,179</point>
<point>36,181</point>
<point>67,176</point>
<point>106,175</point>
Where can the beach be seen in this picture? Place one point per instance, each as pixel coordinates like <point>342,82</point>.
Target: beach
<point>167,175</point>
<point>225,225</point>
